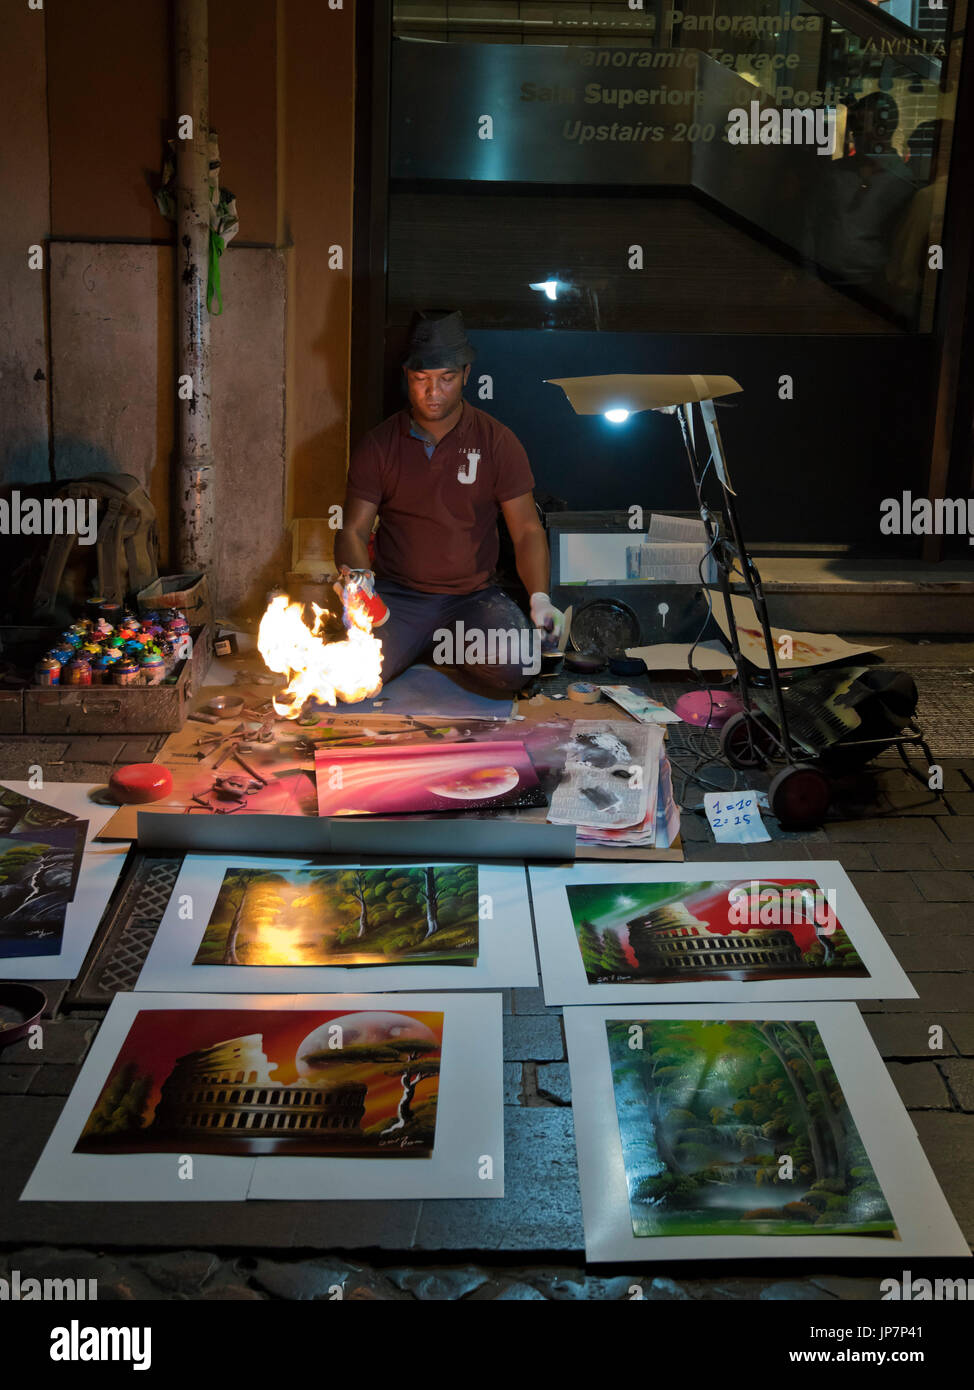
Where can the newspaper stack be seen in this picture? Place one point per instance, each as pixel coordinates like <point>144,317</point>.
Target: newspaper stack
<point>616,787</point>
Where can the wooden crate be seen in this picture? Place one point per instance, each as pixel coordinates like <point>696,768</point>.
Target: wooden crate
<point>11,711</point>
<point>120,709</point>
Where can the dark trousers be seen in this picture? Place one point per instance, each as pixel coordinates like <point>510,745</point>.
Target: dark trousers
<point>484,633</point>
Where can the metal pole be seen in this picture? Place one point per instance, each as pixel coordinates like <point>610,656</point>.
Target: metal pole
<point>194,464</point>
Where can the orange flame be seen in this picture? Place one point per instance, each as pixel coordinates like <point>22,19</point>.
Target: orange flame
<point>349,670</point>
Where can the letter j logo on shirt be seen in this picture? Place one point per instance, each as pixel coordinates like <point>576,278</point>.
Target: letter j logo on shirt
<point>467,472</point>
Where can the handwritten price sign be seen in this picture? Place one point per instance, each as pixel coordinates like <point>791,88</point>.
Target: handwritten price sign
<point>734,818</point>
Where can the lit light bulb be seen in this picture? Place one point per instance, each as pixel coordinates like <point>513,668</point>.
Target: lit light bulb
<point>550,287</point>
<point>618,416</point>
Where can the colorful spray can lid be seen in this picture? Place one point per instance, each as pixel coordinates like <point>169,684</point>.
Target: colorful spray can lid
<point>101,669</point>
<point>77,671</point>
<point>47,671</point>
<point>71,639</point>
<point>61,653</point>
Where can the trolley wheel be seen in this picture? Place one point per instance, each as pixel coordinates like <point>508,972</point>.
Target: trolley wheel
<point>799,796</point>
<point>745,742</point>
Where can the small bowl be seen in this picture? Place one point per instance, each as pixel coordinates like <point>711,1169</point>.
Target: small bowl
<point>20,1007</point>
<point>226,706</point>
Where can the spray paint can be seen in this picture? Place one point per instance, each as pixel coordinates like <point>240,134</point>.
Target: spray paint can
<point>152,668</point>
<point>125,672</point>
<point>101,669</point>
<point>47,671</point>
<point>77,671</point>
<point>358,586</point>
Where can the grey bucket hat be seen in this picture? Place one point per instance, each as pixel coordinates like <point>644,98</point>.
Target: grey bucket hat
<point>438,341</point>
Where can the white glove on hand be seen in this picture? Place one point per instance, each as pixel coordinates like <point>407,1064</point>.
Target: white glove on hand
<point>548,618</point>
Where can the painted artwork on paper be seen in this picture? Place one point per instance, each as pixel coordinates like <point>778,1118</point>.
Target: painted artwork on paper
<point>449,777</point>
<point>395,915</point>
<point>38,870</point>
<point>734,929</point>
<point>739,1127</point>
<point>255,1082</point>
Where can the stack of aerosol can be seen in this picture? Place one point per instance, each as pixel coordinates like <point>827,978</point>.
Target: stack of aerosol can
<point>111,646</point>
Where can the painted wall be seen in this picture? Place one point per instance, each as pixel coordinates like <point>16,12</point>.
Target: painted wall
<point>24,192</point>
<point>103,72</point>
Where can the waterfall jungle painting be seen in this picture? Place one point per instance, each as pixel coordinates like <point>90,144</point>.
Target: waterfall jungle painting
<point>739,1128</point>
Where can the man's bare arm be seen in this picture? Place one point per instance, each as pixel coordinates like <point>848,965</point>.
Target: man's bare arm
<point>352,541</point>
<point>530,546</point>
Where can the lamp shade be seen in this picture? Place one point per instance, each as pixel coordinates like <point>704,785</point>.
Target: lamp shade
<point>594,395</point>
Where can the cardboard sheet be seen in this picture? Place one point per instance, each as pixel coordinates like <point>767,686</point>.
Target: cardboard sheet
<point>675,656</point>
<point>630,1115</point>
<point>807,648</point>
<point>505,949</point>
<point>146,1038</point>
<point>97,876</point>
<point>702,932</point>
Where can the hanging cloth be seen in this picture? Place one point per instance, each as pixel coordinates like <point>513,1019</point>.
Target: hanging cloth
<point>224,223</point>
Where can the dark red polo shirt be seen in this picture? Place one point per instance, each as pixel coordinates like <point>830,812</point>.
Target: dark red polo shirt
<point>438,515</point>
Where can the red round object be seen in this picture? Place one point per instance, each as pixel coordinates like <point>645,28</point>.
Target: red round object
<point>139,782</point>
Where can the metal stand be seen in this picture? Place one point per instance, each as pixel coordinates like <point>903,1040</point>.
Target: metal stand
<point>724,552</point>
<point>800,793</point>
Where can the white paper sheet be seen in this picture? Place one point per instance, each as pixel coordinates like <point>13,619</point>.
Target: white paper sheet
<point>734,818</point>
<point>641,707</point>
<point>924,1221</point>
<point>564,976</point>
<point>505,957</point>
<point>469,1122</point>
<point>100,868</point>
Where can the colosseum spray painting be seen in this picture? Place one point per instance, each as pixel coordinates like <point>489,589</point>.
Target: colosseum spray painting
<point>278,1082</point>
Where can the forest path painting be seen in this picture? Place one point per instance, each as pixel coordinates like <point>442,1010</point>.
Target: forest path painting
<point>361,916</point>
<point>739,1127</point>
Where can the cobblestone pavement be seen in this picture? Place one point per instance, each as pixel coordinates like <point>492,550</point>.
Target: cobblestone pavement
<point>910,854</point>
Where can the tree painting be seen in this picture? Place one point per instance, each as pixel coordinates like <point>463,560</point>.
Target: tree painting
<point>355,887</point>
<point>121,1107</point>
<point>431,900</point>
<point>36,876</point>
<point>416,1060</point>
<point>372,916</point>
<point>708,1113</point>
<point>591,946</point>
<point>614,962</point>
